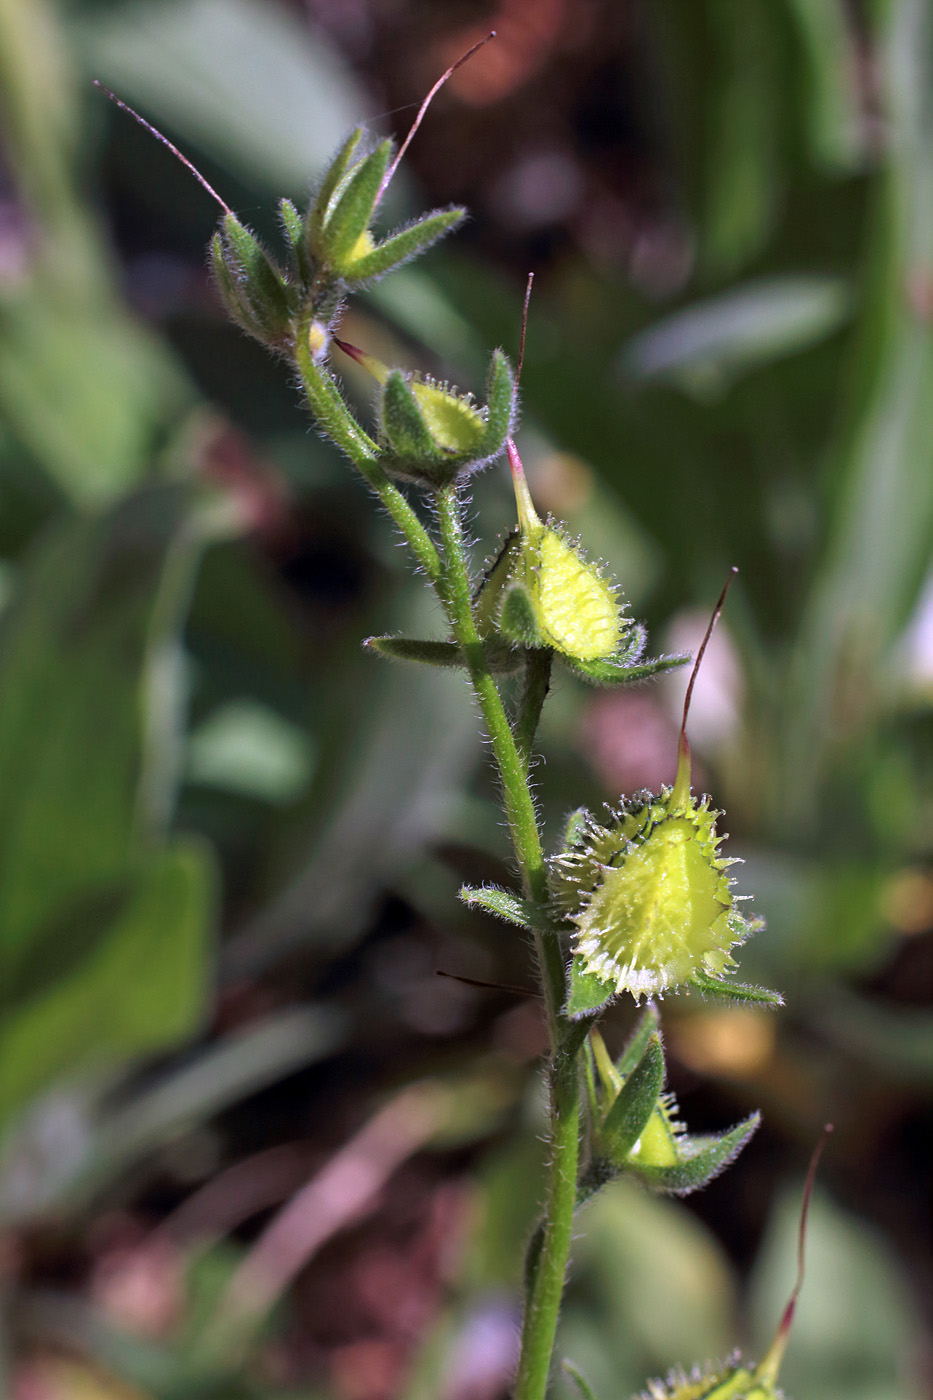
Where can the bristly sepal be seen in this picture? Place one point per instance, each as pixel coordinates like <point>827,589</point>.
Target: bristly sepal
<point>252,287</point>
<point>698,1159</point>
<point>430,433</point>
<point>617,670</point>
<point>635,1129</point>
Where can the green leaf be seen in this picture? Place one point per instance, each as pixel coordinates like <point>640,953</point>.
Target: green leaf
<point>588,993</point>
<point>709,344</point>
<point>722,989</point>
<point>143,987</point>
<point>502,904</point>
<point>407,243</point>
<point>59,943</point>
<point>608,671</point>
<point>701,1159</point>
<point>228,286</point>
<point>403,422</point>
<point>354,209</point>
<point>500,657</point>
<point>634,1104</point>
<point>73,648</point>
<point>196,64</point>
<point>291,222</point>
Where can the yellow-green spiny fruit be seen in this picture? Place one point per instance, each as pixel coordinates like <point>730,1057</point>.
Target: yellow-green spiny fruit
<point>542,591</point>
<point>648,892</point>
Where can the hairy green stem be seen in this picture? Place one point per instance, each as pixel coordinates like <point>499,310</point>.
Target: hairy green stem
<point>545,1284</point>
<point>341,427</point>
<point>455,594</point>
<point>537,683</point>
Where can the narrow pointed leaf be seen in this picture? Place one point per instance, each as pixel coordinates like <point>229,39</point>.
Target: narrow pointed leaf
<point>702,1159</point>
<point>648,1025</point>
<point>588,993</point>
<point>626,1120</point>
<point>500,658</point>
<point>407,243</point>
<point>354,209</point>
<point>607,671</point>
<point>741,993</point>
<point>429,653</point>
<point>507,906</point>
<point>403,422</point>
<point>499,902</point>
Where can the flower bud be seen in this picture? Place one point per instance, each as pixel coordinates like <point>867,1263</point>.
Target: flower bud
<point>430,433</point>
<point>253,288</point>
<point>337,227</point>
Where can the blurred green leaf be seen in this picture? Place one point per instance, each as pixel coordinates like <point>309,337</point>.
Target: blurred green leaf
<point>143,987</point>
<point>854,1328</point>
<point>72,649</point>
<point>707,345</point>
<point>246,747</point>
<point>878,547</point>
<point>836,123</point>
<point>742,166</point>
<point>82,897</point>
<point>85,391</point>
<point>246,81</point>
<point>650,1290</point>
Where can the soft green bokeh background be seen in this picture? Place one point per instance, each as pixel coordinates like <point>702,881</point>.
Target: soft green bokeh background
<point>230,842</point>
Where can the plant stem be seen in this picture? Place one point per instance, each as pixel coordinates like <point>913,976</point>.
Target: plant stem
<point>341,427</point>
<point>546,1283</point>
<point>537,682</point>
<point>456,596</point>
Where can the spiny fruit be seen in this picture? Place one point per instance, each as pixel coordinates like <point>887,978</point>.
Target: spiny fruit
<point>543,592</point>
<point>648,892</point>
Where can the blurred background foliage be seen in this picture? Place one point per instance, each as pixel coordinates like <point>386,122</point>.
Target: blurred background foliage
<point>252,1146</point>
